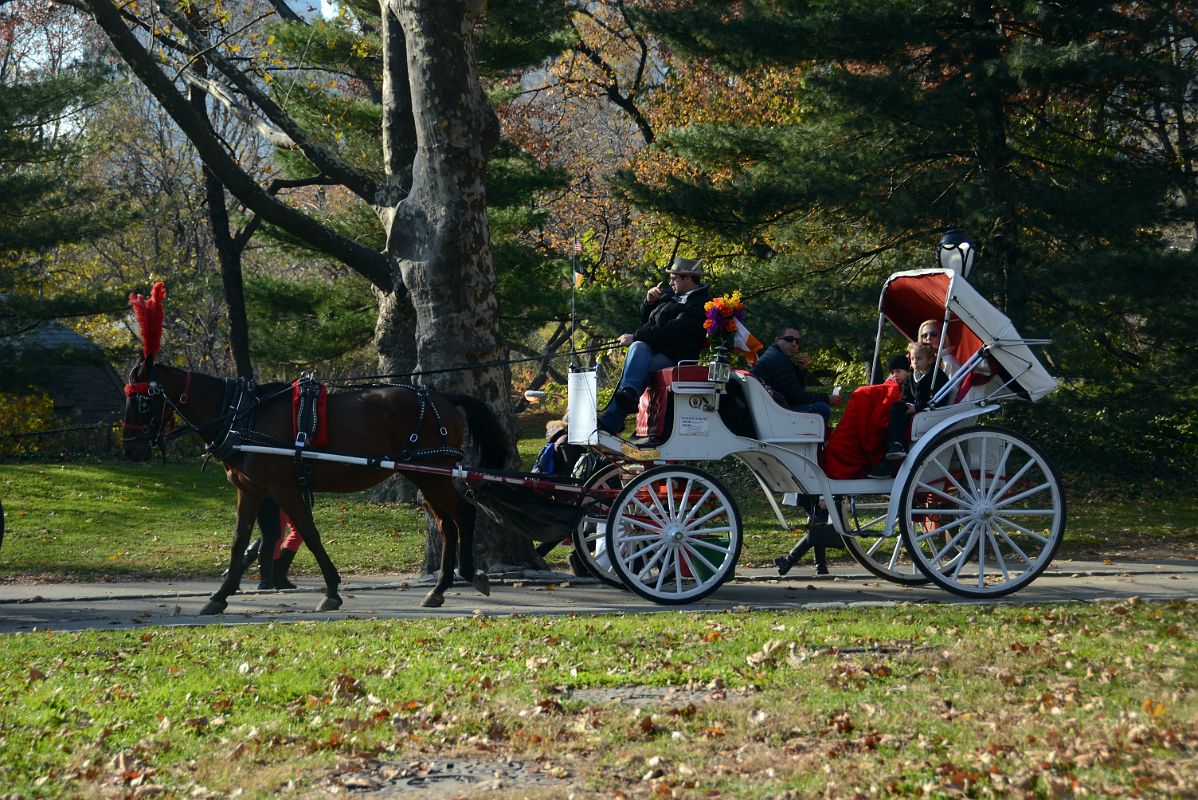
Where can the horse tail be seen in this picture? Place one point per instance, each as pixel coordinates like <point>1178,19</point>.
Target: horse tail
<point>484,429</point>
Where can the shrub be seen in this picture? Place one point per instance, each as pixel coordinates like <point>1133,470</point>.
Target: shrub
<point>1119,438</point>
<point>27,411</point>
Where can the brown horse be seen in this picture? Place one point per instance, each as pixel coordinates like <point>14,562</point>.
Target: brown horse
<point>396,423</point>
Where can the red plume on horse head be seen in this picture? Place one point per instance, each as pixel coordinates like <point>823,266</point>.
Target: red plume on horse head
<point>149,318</point>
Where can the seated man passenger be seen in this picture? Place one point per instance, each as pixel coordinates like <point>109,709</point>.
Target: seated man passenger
<point>672,331</point>
<point>784,369</point>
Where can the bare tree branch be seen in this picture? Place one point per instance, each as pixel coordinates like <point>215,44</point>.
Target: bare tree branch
<point>374,266</point>
<point>355,180</point>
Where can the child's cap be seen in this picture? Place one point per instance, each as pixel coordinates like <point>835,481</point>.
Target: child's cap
<point>898,361</point>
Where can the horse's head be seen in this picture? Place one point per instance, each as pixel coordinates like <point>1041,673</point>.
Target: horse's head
<point>148,417</point>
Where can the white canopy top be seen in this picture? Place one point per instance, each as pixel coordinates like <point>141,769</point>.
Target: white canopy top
<point>910,298</point>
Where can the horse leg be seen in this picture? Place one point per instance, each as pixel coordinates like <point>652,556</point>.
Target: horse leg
<point>272,531</point>
<point>465,517</point>
<point>301,517</point>
<point>247,510</point>
<point>438,498</point>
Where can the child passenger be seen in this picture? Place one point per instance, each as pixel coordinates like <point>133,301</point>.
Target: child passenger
<point>925,380</point>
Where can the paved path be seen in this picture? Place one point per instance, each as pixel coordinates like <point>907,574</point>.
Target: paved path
<point>79,606</point>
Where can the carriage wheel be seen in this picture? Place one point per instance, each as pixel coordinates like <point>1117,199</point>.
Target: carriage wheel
<point>674,535</point>
<point>590,541</point>
<point>867,540</point>
<point>982,512</point>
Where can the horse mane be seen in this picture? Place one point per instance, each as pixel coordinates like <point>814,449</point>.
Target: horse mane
<point>149,314</point>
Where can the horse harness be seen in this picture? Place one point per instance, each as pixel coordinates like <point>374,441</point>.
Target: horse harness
<point>161,427</point>
<point>242,398</point>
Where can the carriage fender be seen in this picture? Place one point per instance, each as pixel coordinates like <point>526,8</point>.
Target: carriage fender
<point>915,454</point>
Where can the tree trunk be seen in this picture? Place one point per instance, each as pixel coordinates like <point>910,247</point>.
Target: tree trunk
<point>228,252</point>
<point>395,342</point>
<point>439,233</point>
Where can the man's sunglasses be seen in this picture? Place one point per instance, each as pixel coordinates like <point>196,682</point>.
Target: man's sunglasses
<point>791,339</point>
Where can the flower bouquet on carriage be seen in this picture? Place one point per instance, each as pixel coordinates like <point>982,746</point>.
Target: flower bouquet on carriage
<point>725,327</point>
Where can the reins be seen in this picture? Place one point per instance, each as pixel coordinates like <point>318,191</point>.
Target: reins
<point>361,381</point>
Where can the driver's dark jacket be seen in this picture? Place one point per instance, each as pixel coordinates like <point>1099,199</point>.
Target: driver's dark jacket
<point>777,371</point>
<point>675,329</point>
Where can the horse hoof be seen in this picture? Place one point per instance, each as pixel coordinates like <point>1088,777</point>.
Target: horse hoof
<point>482,583</point>
<point>213,607</point>
<point>264,585</point>
<point>329,604</point>
<point>433,600</point>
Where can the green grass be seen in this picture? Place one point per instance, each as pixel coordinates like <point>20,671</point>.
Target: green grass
<point>948,701</point>
<point>937,700</point>
<point>116,520</point>
<point>112,520</point>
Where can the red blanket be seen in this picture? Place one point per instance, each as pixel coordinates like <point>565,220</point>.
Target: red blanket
<point>856,445</point>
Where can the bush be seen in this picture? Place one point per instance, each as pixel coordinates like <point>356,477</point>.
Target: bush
<point>1107,438</point>
<point>28,411</point>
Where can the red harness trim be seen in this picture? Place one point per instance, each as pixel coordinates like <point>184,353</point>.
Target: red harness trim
<point>168,415</point>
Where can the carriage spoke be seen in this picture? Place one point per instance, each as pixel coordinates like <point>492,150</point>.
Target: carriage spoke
<point>705,532</point>
<point>1013,545</point>
<point>1042,539</point>
<point>923,537</point>
<point>976,486</point>
<point>711,544</point>
<point>657,513</point>
<point>953,545</point>
<point>959,562</point>
<point>1001,486</point>
<point>653,530</point>
<point>869,524</point>
<point>936,490</point>
<point>696,507</point>
<point>715,512</point>
<point>672,505</point>
<point>692,553</point>
<point>1024,494</point>
<point>665,568</point>
<point>932,510</point>
<point>660,553</point>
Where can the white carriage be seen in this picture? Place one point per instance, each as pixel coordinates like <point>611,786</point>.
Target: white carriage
<point>974,508</point>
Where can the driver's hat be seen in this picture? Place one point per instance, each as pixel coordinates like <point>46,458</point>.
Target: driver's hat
<point>692,267</point>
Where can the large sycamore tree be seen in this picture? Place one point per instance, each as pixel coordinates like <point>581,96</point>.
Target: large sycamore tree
<point>437,131</point>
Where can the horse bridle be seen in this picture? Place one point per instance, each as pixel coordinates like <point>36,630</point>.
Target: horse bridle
<point>159,427</point>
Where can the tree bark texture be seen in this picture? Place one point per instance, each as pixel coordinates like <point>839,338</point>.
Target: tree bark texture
<point>438,233</point>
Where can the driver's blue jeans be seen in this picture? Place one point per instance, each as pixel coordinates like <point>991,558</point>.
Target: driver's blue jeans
<point>639,364</point>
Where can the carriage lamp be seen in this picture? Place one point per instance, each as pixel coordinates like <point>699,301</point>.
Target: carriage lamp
<point>956,252</point>
<point>719,369</point>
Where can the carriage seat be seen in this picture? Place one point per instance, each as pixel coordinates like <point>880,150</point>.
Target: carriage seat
<point>654,407</point>
<point>773,422</point>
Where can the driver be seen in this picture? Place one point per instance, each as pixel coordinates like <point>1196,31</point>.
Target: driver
<point>672,331</point>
